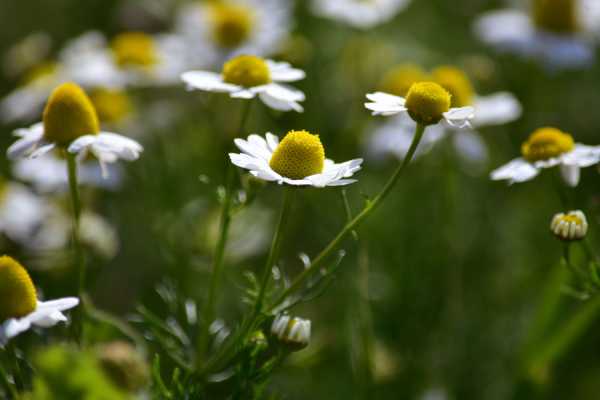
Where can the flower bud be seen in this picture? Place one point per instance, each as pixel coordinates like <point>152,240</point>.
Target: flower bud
<point>293,332</point>
<point>569,227</point>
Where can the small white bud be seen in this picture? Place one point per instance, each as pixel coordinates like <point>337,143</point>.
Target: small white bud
<point>569,227</point>
<point>293,332</point>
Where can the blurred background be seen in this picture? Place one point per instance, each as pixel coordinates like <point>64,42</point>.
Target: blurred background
<point>437,299</point>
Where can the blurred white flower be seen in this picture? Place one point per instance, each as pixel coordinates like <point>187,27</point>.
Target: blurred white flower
<point>48,174</point>
<point>299,160</point>
<point>246,77</point>
<point>560,34</point>
<point>217,31</point>
<point>21,212</point>
<point>569,227</point>
<point>359,13</point>
<point>547,148</point>
<point>26,53</point>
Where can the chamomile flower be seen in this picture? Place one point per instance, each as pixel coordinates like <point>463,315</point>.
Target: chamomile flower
<point>427,103</point>
<point>359,13</point>
<point>130,58</point>
<point>395,135</point>
<point>559,33</point>
<point>219,30</point>
<point>293,332</point>
<point>246,77</point>
<point>299,160</point>
<point>21,212</point>
<point>70,122</point>
<point>20,308</point>
<point>569,227</point>
<point>547,148</point>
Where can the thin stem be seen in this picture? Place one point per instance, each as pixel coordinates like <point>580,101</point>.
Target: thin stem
<point>348,211</point>
<point>79,259</point>
<point>350,226</point>
<point>219,254</point>
<point>288,197</point>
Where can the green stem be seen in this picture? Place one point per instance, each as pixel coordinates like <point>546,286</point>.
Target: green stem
<point>219,254</point>
<point>77,247</point>
<point>288,197</point>
<point>348,211</point>
<point>10,388</point>
<point>350,226</point>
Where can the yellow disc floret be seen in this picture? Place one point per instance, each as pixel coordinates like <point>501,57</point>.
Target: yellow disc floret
<point>18,297</point>
<point>456,82</point>
<point>300,154</point>
<point>112,105</point>
<point>134,49</point>
<point>399,79</point>
<point>69,114</point>
<point>546,143</point>
<point>246,71</point>
<point>232,24</point>
<point>427,102</point>
<point>558,16</point>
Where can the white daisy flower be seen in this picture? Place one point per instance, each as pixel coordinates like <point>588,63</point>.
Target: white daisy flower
<point>560,34</point>
<point>217,31</point>
<point>569,227</point>
<point>547,148</point>
<point>299,160</point>
<point>19,307</point>
<point>246,77</point>
<point>21,212</point>
<point>131,58</point>
<point>294,332</point>
<point>395,136</point>
<point>70,122</point>
<point>427,103</point>
<point>359,13</point>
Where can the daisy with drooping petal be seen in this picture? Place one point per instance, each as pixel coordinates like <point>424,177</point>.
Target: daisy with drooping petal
<point>217,31</point>
<point>395,135</point>
<point>19,306</point>
<point>359,13</point>
<point>70,122</point>
<point>246,77</point>
<point>299,160</point>
<point>559,33</point>
<point>547,148</point>
<point>426,102</point>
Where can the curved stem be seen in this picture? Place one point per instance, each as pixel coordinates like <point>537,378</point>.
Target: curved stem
<point>288,196</point>
<point>219,255</point>
<point>350,226</point>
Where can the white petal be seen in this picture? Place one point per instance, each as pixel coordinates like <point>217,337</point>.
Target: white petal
<point>470,146</point>
<point>279,104</point>
<point>272,141</point>
<point>582,156</point>
<point>385,104</point>
<point>81,143</point>
<point>518,170</point>
<point>208,81</point>
<point>11,328</point>
<point>570,174</point>
<point>459,117</point>
<point>504,27</point>
<point>496,109</point>
<point>283,72</point>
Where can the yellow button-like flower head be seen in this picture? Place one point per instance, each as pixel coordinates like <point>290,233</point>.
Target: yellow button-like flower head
<point>18,297</point>
<point>232,24</point>
<point>247,71</point>
<point>300,154</point>
<point>69,114</point>
<point>134,49</point>
<point>112,105</point>
<point>456,82</point>
<point>427,102</point>
<point>546,143</point>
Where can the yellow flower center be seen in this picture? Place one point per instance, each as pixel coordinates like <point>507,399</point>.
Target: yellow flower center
<point>546,143</point>
<point>232,24</point>
<point>69,114</point>
<point>40,73</point>
<point>399,80</point>
<point>134,49</point>
<point>456,83</point>
<point>247,71</point>
<point>18,293</point>
<point>112,105</point>
<point>300,154</point>
<point>558,16</point>
<point>427,102</point>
